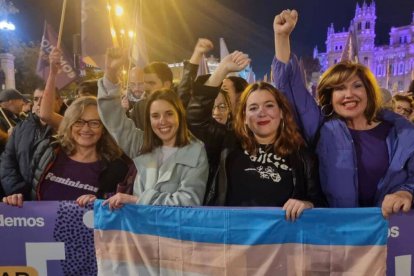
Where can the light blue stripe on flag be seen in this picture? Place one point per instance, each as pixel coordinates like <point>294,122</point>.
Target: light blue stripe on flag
<point>248,226</point>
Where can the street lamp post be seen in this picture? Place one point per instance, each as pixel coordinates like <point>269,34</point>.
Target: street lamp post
<point>7,59</point>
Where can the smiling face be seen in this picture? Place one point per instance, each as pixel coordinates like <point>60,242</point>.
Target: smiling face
<point>86,136</point>
<point>263,116</point>
<point>349,100</point>
<point>164,121</point>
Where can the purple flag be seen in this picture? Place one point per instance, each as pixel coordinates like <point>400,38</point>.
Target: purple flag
<point>49,41</point>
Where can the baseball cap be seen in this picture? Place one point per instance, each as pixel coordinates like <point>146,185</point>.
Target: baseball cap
<point>11,94</point>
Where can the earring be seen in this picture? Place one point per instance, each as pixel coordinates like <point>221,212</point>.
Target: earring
<point>323,110</point>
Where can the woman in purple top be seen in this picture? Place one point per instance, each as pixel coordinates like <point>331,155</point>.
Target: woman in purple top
<point>366,154</point>
<point>82,163</point>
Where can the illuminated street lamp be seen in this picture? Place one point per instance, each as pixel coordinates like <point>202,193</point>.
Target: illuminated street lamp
<point>119,11</point>
<point>7,26</point>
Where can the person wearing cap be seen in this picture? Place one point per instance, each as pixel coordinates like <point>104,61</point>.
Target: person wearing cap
<point>11,102</point>
<point>15,171</point>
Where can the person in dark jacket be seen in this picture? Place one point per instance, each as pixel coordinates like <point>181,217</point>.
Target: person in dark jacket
<point>15,173</point>
<point>158,75</point>
<point>11,104</point>
<point>264,161</point>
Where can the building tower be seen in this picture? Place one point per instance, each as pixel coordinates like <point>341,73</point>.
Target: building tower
<point>363,25</point>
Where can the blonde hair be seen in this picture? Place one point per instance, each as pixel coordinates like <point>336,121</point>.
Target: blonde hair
<point>106,147</point>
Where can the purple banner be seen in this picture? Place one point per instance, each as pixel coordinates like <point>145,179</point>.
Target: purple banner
<point>55,238</point>
<point>51,237</point>
<point>401,245</point>
<point>67,74</point>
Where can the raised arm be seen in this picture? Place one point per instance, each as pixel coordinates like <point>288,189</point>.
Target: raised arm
<point>185,87</point>
<point>205,91</point>
<point>283,25</point>
<point>113,116</point>
<point>288,78</point>
<point>47,112</point>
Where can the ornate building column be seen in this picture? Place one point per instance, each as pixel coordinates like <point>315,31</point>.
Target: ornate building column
<point>7,66</point>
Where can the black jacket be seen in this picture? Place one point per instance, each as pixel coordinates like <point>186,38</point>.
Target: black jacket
<point>15,171</point>
<point>305,179</point>
<point>4,125</point>
<point>220,141</point>
<point>183,89</point>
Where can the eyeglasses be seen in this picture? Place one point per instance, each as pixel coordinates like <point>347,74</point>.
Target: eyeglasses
<point>94,124</point>
<point>221,107</point>
<point>405,110</point>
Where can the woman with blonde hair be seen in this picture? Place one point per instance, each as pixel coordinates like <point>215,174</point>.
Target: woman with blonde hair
<point>81,163</point>
<point>366,154</point>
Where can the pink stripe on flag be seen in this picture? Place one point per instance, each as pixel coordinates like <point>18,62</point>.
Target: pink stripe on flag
<point>124,253</point>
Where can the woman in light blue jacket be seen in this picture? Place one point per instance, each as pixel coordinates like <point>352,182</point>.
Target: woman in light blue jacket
<point>172,167</point>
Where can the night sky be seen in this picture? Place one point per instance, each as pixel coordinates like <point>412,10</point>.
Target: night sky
<point>172,26</point>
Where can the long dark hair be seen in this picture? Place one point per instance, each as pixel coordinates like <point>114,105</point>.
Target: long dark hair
<point>151,140</point>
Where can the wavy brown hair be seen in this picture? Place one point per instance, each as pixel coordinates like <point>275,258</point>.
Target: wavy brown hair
<point>288,138</point>
<point>339,73</point>
<point>106,147</point>
<point>183,135</point>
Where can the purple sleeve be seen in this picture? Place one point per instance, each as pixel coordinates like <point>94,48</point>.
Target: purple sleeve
<point>409,183</point>
<point>288,79</point>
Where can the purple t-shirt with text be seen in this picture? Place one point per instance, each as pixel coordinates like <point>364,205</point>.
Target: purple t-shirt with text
<point>68,179</point>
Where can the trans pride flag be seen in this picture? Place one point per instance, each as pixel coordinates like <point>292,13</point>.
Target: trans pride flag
<point>159,240</point>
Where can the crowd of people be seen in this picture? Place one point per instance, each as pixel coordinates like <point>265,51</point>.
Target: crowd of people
<point>212,139</point>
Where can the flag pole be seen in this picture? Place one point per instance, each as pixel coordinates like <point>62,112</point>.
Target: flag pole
<point>62,20</point>
<point>131,40</point>
<point>112,26</point>
<point>5,117</point>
